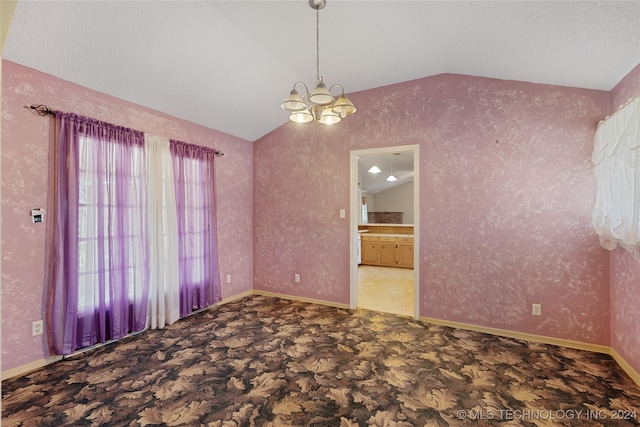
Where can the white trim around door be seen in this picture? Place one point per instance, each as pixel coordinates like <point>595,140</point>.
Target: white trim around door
<point>355,212</point>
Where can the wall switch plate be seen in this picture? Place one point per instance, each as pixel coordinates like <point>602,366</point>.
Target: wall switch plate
<point>228,278</point>
<point>37,327</point>
<point>343,213</point>
<point>296,277</point>
<point>536,309</point>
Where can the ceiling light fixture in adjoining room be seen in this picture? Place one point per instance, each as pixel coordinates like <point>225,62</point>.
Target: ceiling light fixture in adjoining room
<point>392,178</point>
<point>374,169</point>
<point>319,105</point>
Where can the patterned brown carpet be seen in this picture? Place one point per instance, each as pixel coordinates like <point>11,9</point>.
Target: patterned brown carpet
<point>266,361</point>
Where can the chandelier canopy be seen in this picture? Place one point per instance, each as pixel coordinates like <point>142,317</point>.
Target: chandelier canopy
<point>319,105</point>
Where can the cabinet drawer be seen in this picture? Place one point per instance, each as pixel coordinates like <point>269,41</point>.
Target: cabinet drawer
<point>405,239</point>
<point>369,238</point>
<point>387,239</point>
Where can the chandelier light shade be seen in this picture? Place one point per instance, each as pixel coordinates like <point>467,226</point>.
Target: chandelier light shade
<point>319,105</point>
<point>294,102</point>
<point>343,107</point>
<point>328,117</point>
<point>321,95</point>
<point>303,116</point>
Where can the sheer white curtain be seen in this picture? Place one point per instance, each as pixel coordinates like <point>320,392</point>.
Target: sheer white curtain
<point>164,290</point>
<point>616,155</point>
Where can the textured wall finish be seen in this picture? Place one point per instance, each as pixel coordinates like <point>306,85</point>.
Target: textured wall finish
<point>24,187</point>
<point>506,195</point>
<point>301,181</point>
<point>625,270</point>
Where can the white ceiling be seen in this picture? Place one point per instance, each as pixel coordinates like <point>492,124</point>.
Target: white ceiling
<point>228,65</point>
<point>398,164</point>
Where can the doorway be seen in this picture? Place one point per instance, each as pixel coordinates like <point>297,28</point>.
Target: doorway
<point>356,218</point>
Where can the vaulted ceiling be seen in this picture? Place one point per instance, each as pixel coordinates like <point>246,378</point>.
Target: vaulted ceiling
<point>398,164</point>
<point>228,65</point>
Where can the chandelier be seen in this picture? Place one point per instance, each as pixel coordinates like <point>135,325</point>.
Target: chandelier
<point>319,105</point>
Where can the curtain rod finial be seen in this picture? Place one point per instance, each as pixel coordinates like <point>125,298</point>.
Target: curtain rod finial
<point>40,110</point>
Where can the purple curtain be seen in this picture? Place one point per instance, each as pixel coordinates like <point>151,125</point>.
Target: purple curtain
<point>194,178</point>
<point>97,269</point>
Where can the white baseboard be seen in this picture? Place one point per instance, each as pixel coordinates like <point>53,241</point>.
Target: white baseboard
<point>301,299</point>
<point>597,348</point>
<point>23,369</point>
<point>626,366</point>
<point>233,298</point>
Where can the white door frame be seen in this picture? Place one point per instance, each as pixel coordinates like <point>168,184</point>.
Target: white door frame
<point>354,219</point>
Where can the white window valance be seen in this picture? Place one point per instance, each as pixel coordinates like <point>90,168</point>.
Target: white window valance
<point>616,156</point>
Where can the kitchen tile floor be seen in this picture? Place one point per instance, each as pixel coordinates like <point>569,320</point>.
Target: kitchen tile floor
<point>388,289</point>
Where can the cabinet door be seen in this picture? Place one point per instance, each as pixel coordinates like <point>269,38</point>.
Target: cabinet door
<point>405,252</point>
<point>405,255</point>
<point>369,250</point>
<point>388,251</point>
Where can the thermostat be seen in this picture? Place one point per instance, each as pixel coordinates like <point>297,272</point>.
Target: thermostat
<point>37,215</point>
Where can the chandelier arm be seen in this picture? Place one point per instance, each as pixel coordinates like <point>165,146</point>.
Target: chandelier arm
<point>304,95</point>
<point>306,89</point>
<point>305,98</point>
<point>339,86</point>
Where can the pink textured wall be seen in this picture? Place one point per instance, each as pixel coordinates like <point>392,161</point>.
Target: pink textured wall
<point>625,270</point>
<point>301,181</point>
<point>506,194</point>
<point>24,187</point>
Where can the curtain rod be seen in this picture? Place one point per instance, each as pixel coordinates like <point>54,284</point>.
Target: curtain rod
<point>43,110</point>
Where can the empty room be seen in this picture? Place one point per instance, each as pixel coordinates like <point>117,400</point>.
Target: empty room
<point>190,223</point>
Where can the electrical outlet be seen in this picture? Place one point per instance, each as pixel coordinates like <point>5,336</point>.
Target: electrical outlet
<point>37,327</point>
<point>536,309</point>
<point>228,278</point>
<point>296,277</point>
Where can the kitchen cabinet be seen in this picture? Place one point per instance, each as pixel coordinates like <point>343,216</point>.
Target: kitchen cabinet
<point>405,252</point>
<point>388,251</point>
<point>369,250</point>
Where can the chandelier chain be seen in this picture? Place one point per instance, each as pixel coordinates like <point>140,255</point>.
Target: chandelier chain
<point>317,45</point>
